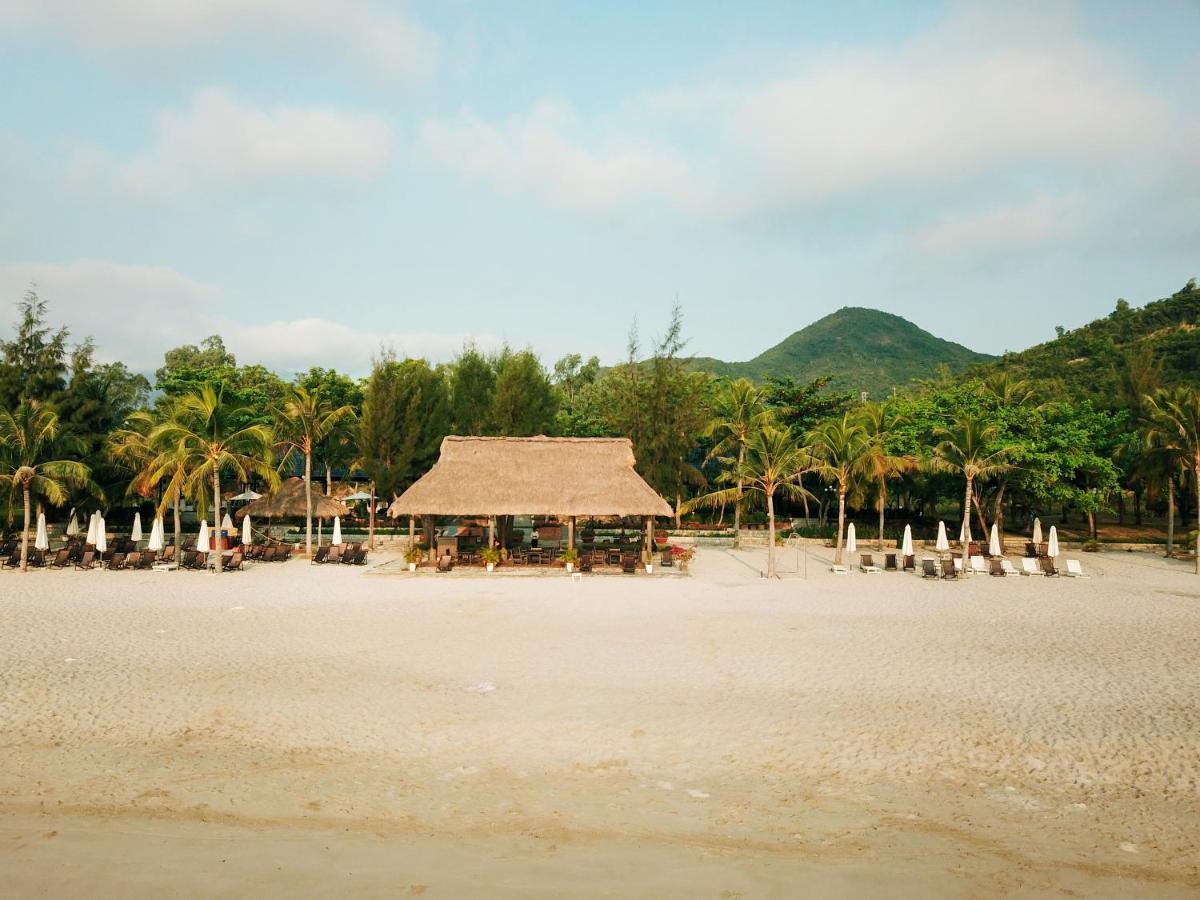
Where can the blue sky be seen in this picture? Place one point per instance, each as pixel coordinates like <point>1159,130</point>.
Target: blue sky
<point>314,178</point>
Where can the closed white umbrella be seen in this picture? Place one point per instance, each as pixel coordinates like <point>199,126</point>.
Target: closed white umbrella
<point>337,530</point>
<point>1052,548</point>
<point>994,546</point>
<point>227,523</point>
<point>91,532</point>
<point>73,525</point>
<point>943,543</point>
<point>156,536</point>
<point>202,538</point>
<point>247,534</point>
<point>1037,531</point>
<point>136,534</point>
<point>101,534</point>
<point>851,543</point>
<point>906,547</point>
<point>42,541</point>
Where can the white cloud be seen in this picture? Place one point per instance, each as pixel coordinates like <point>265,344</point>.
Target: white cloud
<point>533,155</point>
<point>1043,220</point>
<point>373,34</point>
<point>223,144</point>
<point>136,313</point>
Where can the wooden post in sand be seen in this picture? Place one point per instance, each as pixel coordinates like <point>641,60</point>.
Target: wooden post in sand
<point>649,538</point>
<point>412,532</point>
<point>491,531</point>
<point>429,538</point>
<point>571,533</point>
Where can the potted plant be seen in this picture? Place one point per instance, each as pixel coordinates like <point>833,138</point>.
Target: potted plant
<point>491,556</point>
<point>412,556</point>
<point>570,556</point>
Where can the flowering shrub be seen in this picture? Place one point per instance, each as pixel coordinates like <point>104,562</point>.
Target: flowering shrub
<point>682,554</point>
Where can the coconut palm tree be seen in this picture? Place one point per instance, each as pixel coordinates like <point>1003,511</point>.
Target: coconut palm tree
<point>1174,417</point>
<point>303,420</point>
<point>971,446</point>
<point>30,439</point>
<point>881,465</point>
<point>841,450</point>
<point>200,439</point>
<point>739,409</point>
<point>772,464</point>
<point>151,466</point>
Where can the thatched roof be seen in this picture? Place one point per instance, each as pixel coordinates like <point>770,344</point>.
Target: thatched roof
<point>288,500</point>
<point>532,476</point>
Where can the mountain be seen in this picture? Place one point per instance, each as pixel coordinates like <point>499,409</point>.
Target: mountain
<point>1086,361</point>
<point>863,349</point>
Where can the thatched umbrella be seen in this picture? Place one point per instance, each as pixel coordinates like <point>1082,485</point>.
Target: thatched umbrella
<point>288,500</point>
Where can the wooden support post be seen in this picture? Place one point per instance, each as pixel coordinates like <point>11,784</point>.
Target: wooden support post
<point>430,539</point>
<point>649,538</point>
<point>412,532</point>
<point>491,531</point>
<point>571,533</point>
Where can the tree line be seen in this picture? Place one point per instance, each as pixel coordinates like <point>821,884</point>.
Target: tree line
<point>994,445</point>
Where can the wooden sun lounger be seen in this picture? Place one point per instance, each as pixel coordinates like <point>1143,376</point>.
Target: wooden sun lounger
<point>87,561</point>
<point>320,557</point>
<point>996,567</point>
<point>949,569</point>
<point>929,568</point>
<point>232,562</point>
<point>61,560</point>
<point>1048,566</point>
<point>629,565</point>
<point>866,562</point>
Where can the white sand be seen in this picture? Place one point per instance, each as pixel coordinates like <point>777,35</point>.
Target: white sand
<point>296,729</point>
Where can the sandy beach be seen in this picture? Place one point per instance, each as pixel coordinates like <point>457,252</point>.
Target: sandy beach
<point>298,730</point>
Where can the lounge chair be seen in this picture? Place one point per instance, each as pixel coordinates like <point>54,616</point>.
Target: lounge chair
<point>232,562</point>
<point>950,567</point>
<point>284,553</point>
<point>910,562</point>
<point>1048,566</point>
<point>87,561</point>
<point>360,556</point>
<point>350,554</point>
<point>133,560</point>
<point>995,567</point>
<point>1008,567</point>
<point>667,560</point>
<point>889,562</point>
<point>629,564</point>
<point>320,557</point>
<point>62,559</point>
<point>585,562</point>
<point>116,561</point>
<point>1031,549</point>
<point>149,557</point>
<point>445,563</point>
<point>1075,570</point>
<point>929,568</point>
<point>1029,566</point>
<point>866,562</point>
<point>1043,550</point>
<point>168,554</point>
<point>978,566</point>
<point>13,561</point>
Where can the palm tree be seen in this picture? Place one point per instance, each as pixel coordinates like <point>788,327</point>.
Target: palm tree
<point>738,410</point>
<point>879,423</point>
<point>772,464</point>
<point>303,421</point>
<point>201,438</point>
<point>1175,419</point>
<point>30,436</point>
<point>150,465</point>
<point>840,449</point>
<point>970,446</point>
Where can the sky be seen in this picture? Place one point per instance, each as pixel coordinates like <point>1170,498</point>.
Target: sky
<point>316,179</point>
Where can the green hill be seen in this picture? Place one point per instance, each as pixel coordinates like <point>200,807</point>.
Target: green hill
<point>1086,360</point>
<point>863,349</point>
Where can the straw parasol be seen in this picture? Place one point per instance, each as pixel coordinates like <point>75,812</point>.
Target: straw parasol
<point>851,543</point>
<point>1052,547</point>
<point>906,547</point>
<point>136,534</point>
<point>943,543</point>
<point>202,538</point>
<point>1037,531</point>
<point>337,530</point>
<point>288,500</point>
<point>994,545</point>
<point>42,541</point>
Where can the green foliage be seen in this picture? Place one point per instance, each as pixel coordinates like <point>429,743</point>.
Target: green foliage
<point>524,402</point>
<point>33,365</point>
<point>472,384</point>
<point>860,349</point>
<point>251,390</point>
<point>800,406</point>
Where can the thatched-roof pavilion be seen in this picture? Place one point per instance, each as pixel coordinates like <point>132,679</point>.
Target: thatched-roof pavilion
<point>532,476</point>
<point>288,500</point>
<point>539,476</point>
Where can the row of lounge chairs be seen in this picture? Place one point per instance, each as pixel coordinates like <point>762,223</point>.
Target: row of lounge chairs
<point>348,554</point>
<point>999,567</point>
<point>269,552</point>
